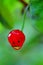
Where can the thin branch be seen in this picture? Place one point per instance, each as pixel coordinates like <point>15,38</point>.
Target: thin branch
<point>23,2</point>
<point>25,5</point>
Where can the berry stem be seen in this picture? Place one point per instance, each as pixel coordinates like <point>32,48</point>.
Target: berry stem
<point>25,11</point>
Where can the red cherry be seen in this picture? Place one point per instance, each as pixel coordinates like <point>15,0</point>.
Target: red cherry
<point>16,39</point>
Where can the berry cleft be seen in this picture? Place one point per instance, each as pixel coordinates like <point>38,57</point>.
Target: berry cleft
<point>16,38</point>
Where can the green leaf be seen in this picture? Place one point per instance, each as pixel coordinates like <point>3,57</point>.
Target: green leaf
<point>36,12</point>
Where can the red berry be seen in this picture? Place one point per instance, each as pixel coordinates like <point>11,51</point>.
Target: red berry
<point>16,39</point>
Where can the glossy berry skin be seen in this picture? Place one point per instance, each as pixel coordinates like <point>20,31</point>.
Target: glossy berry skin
<point>16,39</point>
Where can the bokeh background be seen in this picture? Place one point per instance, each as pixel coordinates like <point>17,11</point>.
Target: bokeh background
<point>11,17</point>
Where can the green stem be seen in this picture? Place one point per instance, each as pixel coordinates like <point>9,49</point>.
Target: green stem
<point>24,18</point>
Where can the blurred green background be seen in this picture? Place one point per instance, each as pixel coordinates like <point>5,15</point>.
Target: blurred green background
<point>11,17</point>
